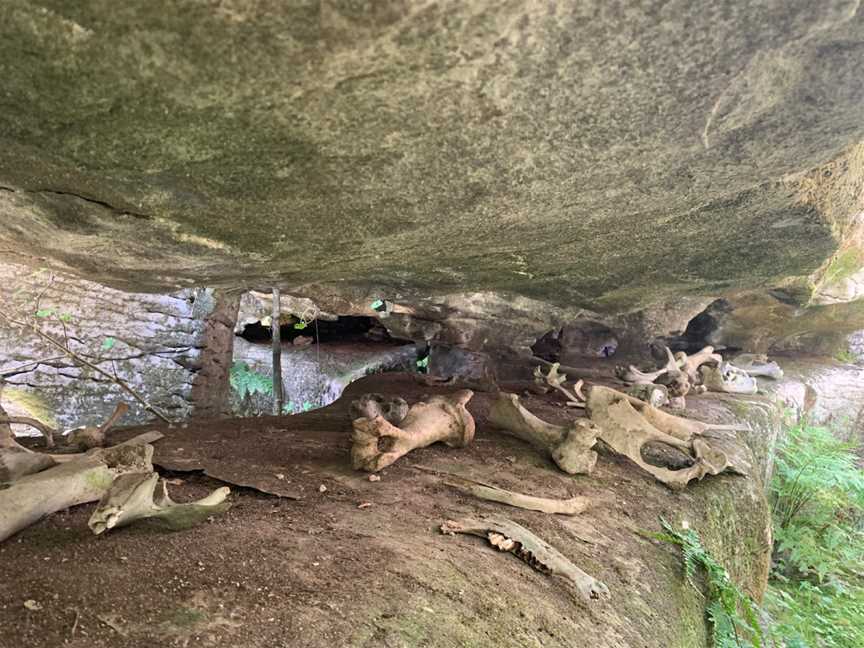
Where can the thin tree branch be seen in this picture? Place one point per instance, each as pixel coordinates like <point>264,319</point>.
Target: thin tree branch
<point>80,360</point>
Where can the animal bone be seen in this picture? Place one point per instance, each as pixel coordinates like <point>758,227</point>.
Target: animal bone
<point>690,364</point>
<point>86,438</point>
<point>627,427</point>
<point>83,479</point>
<point>571,506</point>
<point>653,394</point>
<point>632,374</point>
<point>556,381</point>
<point>758,365</point>
<point>506,535</point>
<point>393,409</point>
<point>441,418</point>
<point>728,379</point>
<point>569,446</point>
<point>136,496</point>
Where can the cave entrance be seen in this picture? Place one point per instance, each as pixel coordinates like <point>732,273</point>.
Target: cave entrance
<point>346,329</point>
<point>702,330</point>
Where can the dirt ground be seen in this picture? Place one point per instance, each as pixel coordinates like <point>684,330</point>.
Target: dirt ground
<point>320,571</point>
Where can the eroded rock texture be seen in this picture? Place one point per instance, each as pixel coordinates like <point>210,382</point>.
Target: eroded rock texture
<point>548,160</point>
<point>153,342</point>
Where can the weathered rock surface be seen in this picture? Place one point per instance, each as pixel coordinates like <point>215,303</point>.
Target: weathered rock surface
<point>579,155</point>
<point>156,349</point>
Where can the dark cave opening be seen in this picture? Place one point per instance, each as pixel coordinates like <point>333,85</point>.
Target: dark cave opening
<point>702,330</point>
<point>345,329</point>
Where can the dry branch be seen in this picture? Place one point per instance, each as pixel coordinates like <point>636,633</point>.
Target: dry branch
<point>47,431</point>
<point>86,363</point>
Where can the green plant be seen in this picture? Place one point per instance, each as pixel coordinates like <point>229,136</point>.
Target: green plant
<point>245,381</point>
<point>816,594</point>
<point>733,615</point>
<point>818,504</point>
<point>845,356</point>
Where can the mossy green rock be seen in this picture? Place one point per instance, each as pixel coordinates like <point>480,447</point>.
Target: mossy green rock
<point>579,154</point>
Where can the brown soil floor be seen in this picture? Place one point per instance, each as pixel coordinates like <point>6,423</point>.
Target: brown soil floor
<point>320,571</point>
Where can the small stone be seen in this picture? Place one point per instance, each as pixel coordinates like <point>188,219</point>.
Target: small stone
<point>30,604</point>
<point>374,478</point>
<point>364,505</point>
<point>279,476</point>
<point>322,488</point>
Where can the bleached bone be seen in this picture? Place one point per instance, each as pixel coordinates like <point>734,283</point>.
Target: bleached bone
<point>506,535</point>
<point>654,395</point>
<point>85,438</point>
<point>758,365</point>
<point>570,506</point>
<point>626,429</point>
<point>137,496</point>
<point>83,479</point>
<point>392,408</point>
<point>556,380</point>
<point>441,418</point>
<point>690,364</point>
<point>727,378</point>
<point>569,446</point>
<point>632,374</point>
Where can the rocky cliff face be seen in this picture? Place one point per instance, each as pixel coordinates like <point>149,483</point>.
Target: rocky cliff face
<point>628,161</point>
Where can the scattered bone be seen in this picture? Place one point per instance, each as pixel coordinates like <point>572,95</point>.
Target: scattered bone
<point>508,536</point>
<point>571,506</point>
<point>654,395</point>
<point>86,438</point>
<point>84,478</point>
<point>137,496</point>
<point>377,443</point>
<point>569,446</point>
<point>627,427</point>
<point>632,374</point>
<point>758,364</point>
<point>556,380</point>
<point>47,431</point>
<point>728,379</point>
<point>690,364</point>
<point>393,409</point>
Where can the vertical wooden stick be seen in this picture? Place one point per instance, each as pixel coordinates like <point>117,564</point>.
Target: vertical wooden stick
<point>278,394</point>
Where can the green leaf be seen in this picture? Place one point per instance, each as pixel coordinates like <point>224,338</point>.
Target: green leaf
<point>300,326</point>
<point>108,343</point>
<point>45,312</point>
<point>65,317</point>
<point>307,406</point>
<point>424,363</point>
<point>378,303</point>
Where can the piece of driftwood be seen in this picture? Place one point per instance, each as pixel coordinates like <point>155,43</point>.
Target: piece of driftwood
<point>85,438</point>
<point>393,408</point>
<point>83,479</point>
<point>377,443</point>
<point>569,446</point>
<point>570,506</point>
<point>138,496</point>
<point>506,535</point>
